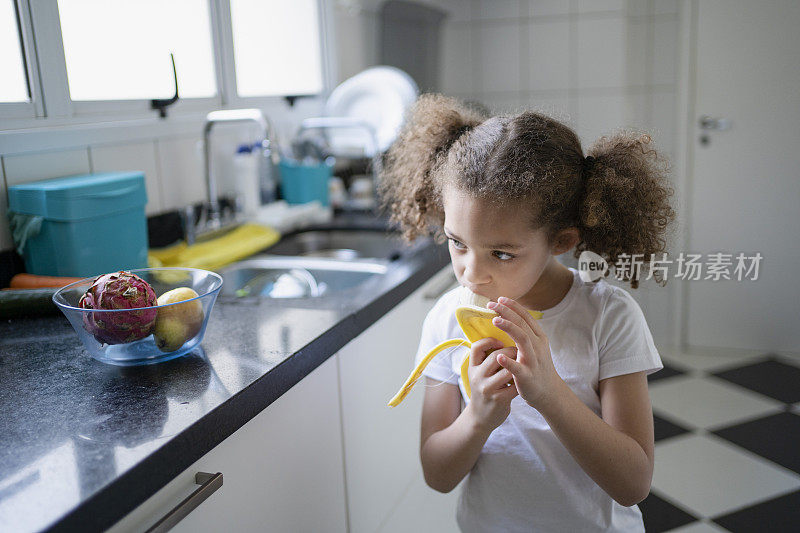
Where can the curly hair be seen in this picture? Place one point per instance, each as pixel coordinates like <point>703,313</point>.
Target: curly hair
<point>618,198</point>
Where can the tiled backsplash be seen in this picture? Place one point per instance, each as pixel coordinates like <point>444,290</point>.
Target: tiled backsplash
<point>598,64</point>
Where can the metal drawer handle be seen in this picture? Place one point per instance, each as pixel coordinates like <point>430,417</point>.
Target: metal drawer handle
<point>209,483</point>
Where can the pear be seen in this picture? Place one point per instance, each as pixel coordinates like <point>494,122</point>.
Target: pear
<point>176,324</point>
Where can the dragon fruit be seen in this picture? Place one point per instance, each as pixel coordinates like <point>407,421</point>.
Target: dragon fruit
<point>119,290</point>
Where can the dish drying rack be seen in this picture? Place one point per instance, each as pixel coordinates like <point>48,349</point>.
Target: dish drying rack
<point>329,123</point>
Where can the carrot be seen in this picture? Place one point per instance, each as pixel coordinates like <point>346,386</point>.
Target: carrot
<point>32,281</point>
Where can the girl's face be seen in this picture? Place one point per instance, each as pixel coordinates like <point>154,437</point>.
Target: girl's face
<point>494,250</point>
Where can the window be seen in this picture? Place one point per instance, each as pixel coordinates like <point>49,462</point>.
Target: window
<point>119,50</point>
<point>277,47</point>
<point>13,81</point>
<point>65,62</point>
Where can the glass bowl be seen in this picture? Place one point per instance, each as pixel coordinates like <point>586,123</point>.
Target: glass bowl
<point>178,323</point>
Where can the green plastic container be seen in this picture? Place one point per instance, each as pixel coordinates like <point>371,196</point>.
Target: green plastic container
<point>81,225</point>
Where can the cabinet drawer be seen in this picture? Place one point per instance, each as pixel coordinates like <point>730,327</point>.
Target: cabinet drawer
<point>282,470</point>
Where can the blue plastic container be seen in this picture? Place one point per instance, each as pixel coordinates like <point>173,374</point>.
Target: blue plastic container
<point>81,225</point>
<point>301,183</point>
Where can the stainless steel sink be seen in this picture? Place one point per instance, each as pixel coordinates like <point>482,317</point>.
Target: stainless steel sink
<point>315,263</point>
<point>296,277</point>
<point>342,244</point>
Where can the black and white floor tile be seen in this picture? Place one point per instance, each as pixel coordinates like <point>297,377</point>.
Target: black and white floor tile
<point>727,430</point>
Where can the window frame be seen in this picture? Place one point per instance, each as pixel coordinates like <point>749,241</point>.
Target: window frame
<point>139,108</point>
<point>227,49</point>
<point>47,74</point>
<point>32,108</point>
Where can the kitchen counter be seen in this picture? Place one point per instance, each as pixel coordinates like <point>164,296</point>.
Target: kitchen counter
<point>83,443</point>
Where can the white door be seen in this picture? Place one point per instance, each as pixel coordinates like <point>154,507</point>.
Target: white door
<point>744,194</point>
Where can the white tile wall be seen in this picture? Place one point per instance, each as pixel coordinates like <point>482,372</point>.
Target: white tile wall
<point>40,166</point>
<point>553,106</point>
<point>139,156</point>
<point>544,8</point>
<point>497,9</point>
<point>548,53</point>
<point>661,7</point>
<point>357,39</point>
<point>601,6</point>
<point>500,103</point>
<point>499,56</point>
<point>637,52</point>
<point>665,50</point>
<point>180,163</point>
<point>663,120</point>
<point>602,56</point>
<point>457,76</point>
<point>638,8</point>
<point>599,115</point>
<point>603,114</point>
<point>457,10</point>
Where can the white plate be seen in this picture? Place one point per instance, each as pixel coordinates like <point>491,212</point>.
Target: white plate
<point>378,96</point>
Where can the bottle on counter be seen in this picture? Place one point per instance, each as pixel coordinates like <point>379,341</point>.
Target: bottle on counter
<point>268,174</point>
<point>246,168</point>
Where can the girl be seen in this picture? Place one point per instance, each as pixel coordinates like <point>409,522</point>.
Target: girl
<point>568,447</point>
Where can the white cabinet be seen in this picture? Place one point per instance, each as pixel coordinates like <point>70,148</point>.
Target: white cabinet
<point>282,470</point>
<point>326,456</point>
<point>381,444</point>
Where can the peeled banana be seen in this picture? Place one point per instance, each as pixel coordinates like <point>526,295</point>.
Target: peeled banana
<point>475,321</point>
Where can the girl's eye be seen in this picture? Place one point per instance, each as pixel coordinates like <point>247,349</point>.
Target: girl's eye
<point>503,256</point>
<point>456,244</point>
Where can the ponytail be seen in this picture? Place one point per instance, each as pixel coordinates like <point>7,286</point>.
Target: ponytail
<point>433,125</point>
<point>625,205</point>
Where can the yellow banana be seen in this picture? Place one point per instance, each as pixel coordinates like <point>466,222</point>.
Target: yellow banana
<point>476,323</point>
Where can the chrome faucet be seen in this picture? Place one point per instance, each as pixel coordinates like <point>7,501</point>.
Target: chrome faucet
<point>213,220</point>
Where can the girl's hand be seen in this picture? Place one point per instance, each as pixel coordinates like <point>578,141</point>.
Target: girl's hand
<point>490,399</point>
<point>534,374</point>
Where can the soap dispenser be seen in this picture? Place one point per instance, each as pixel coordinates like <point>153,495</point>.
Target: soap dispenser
<point>247,177</point>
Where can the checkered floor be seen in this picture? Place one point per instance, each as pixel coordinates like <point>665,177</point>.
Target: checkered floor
<point>727,431</point>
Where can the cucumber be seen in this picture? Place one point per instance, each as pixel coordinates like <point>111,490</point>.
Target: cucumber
<point>27,302</point>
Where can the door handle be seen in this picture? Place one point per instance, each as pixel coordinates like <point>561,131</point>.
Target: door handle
<point>710,123</point>
<point>209,483</point>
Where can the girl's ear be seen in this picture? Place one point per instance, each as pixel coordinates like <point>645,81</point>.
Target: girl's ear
<point>564,241</point>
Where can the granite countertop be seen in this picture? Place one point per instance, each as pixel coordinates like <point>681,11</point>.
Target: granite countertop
<point>83,443</point>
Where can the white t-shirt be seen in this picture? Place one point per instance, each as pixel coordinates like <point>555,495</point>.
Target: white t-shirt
<point>525,479</point>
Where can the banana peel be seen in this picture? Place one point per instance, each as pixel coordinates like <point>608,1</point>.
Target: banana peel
<point>476,323</point>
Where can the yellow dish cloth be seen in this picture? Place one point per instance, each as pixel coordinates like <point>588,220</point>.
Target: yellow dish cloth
<point>214,254</point>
